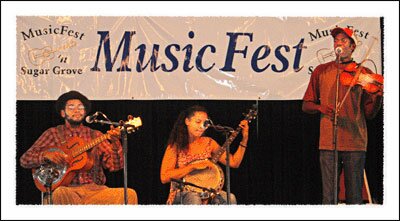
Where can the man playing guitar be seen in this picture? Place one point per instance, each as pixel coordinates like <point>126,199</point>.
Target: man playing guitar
<point>86,184</point>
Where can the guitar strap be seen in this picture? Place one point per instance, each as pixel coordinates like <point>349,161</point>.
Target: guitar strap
<point>61,134</point>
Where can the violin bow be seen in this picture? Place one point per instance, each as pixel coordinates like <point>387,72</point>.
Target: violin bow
<point>358,72</point>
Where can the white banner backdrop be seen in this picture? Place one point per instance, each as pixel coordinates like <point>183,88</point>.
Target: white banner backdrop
<point>150,58</point>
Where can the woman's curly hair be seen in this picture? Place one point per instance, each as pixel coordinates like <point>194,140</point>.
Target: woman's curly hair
<point>179,135</point>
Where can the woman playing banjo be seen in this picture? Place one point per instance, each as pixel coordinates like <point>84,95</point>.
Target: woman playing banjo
<point>188,152</point>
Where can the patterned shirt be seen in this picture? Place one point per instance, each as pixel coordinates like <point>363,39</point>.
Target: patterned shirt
<point>108,155</point>
<point>183,160</point>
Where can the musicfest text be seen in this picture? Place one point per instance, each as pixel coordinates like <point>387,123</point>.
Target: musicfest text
<point>171,51</point>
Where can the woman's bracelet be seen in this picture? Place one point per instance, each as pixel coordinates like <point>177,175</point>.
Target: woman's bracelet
<point>240,144</point>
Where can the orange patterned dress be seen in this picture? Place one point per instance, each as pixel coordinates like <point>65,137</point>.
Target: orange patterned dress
<point>183,160</point>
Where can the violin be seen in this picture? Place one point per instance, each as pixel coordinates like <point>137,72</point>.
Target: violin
<point>370,82</point>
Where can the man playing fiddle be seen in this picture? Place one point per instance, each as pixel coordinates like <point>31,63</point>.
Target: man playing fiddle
<point>351,136</point>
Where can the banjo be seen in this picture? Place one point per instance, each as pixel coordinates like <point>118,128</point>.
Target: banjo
<point>213,179</point>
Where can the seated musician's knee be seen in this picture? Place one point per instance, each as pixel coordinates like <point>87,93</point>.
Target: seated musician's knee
<point>61,190</point>
<point>221,198</point>
<point>132,196</point>
<point>233,199</point>
<point>191,198</point>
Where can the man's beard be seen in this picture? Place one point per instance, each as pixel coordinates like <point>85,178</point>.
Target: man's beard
<point>73,122</point>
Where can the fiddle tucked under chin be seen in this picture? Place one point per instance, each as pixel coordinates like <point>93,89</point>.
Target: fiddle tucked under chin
<point>354,74</point>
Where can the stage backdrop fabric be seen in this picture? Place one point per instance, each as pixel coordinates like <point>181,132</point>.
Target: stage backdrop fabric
<point>280,166</point>
<point>151,58</point>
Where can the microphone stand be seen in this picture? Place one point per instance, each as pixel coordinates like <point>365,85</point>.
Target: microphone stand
<point>335,126</point>
<point>51,176</point>
<point>226,131</point>
<point>49,191</point>
<point>228,169</point>
<point>125,152</point>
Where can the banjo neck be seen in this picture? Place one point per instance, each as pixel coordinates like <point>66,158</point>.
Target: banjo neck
<point>249,116</point>
<point>215,157</point>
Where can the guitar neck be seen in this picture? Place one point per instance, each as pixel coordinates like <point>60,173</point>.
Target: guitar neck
<point>90,145</point>
<point>223,148</point>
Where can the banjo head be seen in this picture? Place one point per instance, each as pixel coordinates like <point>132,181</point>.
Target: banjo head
<point>208,178</point>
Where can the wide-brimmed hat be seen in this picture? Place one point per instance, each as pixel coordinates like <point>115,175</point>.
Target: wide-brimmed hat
<point>62,100</point>
<point>347,31</point>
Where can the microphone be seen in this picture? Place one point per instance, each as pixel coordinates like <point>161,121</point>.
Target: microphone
<point>89,119</point>
<point>207,123</point>
<point>339,51</point>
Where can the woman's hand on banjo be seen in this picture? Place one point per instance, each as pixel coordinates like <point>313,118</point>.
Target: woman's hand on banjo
<point>244,124</point>
<point>206,164</point>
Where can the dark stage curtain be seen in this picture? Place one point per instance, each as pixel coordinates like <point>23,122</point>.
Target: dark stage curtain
<point>281,164</point>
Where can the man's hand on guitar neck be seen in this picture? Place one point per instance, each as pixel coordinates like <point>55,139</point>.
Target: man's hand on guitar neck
<point>114,132</point>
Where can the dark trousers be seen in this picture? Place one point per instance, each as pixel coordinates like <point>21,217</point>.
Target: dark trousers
<point>353,163</point>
